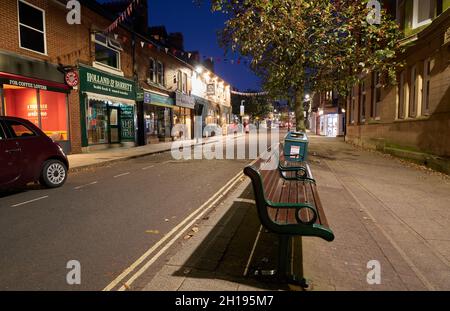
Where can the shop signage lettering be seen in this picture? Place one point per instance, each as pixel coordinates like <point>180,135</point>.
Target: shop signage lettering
<point>27,84</point>
<point>127,122</point>
<point>33,110</point>
<point>108,82</point>
<point>92,80</point>
<point>184,100</point>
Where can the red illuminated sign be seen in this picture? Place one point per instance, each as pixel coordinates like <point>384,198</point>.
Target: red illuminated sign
<point>72,78</point>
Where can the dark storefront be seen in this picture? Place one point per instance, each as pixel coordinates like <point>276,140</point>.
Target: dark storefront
<point>35,91</point>
<point>157,117</point>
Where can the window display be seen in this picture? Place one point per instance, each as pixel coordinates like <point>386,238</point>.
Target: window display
<point>46,109</point>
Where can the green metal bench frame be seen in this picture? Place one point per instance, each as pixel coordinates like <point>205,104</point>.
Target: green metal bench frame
<point>287,231</point>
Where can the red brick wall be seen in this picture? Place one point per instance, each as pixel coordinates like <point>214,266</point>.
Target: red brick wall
<point>66,44</point>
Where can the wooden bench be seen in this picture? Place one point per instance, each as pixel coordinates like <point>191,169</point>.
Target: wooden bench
<point>288,207</point>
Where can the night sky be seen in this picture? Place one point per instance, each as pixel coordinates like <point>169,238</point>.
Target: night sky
<point>199,27</point>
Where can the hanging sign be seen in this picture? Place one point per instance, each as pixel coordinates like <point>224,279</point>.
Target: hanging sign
<point>72,78</point>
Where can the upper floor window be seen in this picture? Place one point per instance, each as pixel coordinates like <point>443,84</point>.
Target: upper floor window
<point>31,28</point>
<point>179,81</point>
<point>107,51</point>
<point>160,73</point>
<point>423,12</point>
<point>185,83</point>
<point>152,70</point>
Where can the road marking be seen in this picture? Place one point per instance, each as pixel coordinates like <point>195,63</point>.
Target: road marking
<point>180,228</point>
<point>83,186</point>
<point>31,201</point>
<point>148,167</point>
<point>120,175</point>
<point>253,251</point>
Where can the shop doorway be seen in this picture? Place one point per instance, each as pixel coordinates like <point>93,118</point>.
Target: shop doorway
<point>114,125</point>
<point>332,126</point>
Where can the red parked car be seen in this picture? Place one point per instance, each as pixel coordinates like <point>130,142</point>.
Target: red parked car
<point>28,155</point>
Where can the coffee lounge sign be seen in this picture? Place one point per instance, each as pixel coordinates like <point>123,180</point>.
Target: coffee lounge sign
<point>100,82</point>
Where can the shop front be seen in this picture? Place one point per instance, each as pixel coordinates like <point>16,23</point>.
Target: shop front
<point>157,115</point>
<point>183,114</point>
<point>108,109</point>
<point>35,91</point>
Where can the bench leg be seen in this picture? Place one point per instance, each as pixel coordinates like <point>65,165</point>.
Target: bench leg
<point>283,254</point>
<point>297,254</point>
<point>284,272</point>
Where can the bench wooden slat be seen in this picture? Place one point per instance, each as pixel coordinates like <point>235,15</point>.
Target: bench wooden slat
<point>270,187</point>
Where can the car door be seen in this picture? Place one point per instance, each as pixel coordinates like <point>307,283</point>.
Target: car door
<point>10,158</point>
<point>28,144</point>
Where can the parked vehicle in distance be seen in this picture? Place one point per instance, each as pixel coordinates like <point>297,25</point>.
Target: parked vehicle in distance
<point>28,155</point>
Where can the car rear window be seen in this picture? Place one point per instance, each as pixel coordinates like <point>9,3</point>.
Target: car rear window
<point>2,135</point>
<point>18,130</point>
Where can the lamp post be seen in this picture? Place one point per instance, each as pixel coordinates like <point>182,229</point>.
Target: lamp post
<point>242,112</point>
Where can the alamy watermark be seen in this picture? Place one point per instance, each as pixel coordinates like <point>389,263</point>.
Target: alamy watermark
<point>73,17</point>
<point>73,277</point>
<point>374,274</point>
<point>233,142</point>
<point>374,16</point>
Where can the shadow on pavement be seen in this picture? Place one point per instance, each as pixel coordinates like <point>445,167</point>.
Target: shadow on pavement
<point>225,251</point>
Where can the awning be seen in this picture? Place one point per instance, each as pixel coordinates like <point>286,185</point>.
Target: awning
<point>96,96</point>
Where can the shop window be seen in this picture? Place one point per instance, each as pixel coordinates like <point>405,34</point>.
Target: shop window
<point>423,12</point>
<point>97,119</point>
<point>54,115</point>
<point>47,110</point>
<point>413,96</point>
<point>107,51</point>
<point>401,96</point>
<point>22,103</point>
<point>18,130</point>
<point>31,27</point>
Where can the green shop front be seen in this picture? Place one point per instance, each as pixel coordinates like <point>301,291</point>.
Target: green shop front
<point>108,109</point>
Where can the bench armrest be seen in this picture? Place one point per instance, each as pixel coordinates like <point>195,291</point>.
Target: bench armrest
<point>299,207</point>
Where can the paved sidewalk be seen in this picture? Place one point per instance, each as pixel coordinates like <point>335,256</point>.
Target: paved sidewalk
<point>78,161</point>
<point>379,208</point>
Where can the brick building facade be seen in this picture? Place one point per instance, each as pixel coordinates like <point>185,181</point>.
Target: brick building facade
<point>412,118</point>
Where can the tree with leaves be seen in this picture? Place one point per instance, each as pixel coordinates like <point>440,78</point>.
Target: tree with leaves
<point>325,44</point>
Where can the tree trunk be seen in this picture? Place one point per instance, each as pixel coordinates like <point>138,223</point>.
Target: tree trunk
<point>299,110</point>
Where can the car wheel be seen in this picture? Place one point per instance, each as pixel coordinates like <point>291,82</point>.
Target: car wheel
<point>54,174</point>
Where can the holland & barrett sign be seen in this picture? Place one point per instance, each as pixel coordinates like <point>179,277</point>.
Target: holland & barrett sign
<point>96,81</point>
